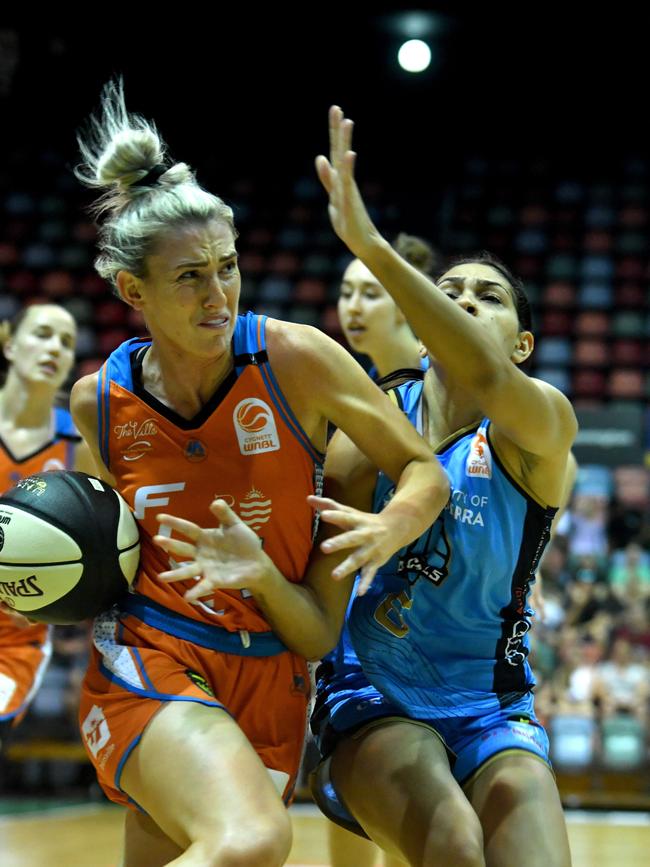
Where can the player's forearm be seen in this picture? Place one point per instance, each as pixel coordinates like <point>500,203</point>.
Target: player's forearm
<point>420,496</point>
<point>441,325</point>
<point>295,614</point>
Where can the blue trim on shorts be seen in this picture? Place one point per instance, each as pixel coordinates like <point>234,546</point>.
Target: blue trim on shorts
<point>208,635</point>
<point>143,670</point>
<point>343,708</point>
<point>117,779</point>
<point>157,696</point>
<point>10,716</point>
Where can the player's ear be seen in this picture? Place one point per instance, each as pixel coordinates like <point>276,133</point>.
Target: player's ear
<point>130,289</point>
<point>523,347</point>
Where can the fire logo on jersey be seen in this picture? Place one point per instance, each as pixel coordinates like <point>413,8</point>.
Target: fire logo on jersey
<point>255,427</point>
<point>255,509</point>
<point>479,459</point>
<point>95,730</point>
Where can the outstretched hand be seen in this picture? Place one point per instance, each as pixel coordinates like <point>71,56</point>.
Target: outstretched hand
<point>369,534</point>
<point>227,557</point>
<point>347,211</point>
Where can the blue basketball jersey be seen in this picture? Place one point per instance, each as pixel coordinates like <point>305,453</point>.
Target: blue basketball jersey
<point>443,631</point>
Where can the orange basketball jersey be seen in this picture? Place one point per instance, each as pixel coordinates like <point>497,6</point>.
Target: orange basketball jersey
<point>57,454</point>
<point>25,651</point>
<point>244,446</point>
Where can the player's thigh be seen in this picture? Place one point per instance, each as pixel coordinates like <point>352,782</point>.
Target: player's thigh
<point>395,778</point>
<point>517,801</point>
<point>196,774</point>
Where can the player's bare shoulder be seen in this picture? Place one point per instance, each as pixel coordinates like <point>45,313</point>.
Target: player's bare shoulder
<point>289,343</point>
<point>83,404</point>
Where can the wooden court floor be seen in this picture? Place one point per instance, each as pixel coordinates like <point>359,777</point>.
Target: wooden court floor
<point>90,837</point>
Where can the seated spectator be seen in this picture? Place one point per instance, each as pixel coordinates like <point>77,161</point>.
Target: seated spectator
<point>635,626</point>
<point>622,683</point>
<point>629,573</point>
<point>586,527</point>
<point>574,685</point>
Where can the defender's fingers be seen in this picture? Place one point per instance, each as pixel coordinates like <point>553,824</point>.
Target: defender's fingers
<point>367,574</point>
<point>324,172</point>
<point>344,520</point>
<point>334,117</point>
<point>351,564</point>
<point>353,539</point>
<point>326,503</point>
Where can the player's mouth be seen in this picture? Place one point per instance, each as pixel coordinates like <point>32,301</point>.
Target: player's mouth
<point>50,367</point>
<point>215,323</point>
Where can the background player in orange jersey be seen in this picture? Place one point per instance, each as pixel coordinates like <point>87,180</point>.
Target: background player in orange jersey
<point>193,711</point>
<point>35,435</point>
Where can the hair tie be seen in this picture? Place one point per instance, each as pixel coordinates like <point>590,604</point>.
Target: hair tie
<point>151,177</point>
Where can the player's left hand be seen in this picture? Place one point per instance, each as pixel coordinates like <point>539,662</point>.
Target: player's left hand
<point>347,211</point>
<point>227,557</point>
<point>370,535</point>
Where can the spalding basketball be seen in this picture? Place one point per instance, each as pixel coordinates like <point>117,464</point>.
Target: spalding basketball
<point>69,547</point>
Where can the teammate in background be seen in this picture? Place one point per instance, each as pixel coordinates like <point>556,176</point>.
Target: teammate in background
<point>371,321</point>
<point>193,711</point>
<point>434,748</point>
<point>35,436</point>
<point>374,325</point>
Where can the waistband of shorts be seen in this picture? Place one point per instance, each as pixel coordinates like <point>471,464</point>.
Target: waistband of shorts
<point>208,635</point>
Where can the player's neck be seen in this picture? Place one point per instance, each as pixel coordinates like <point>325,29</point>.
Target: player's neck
<point>403,351</point>
<point>446,410</point>
<point>181,383</point>
<point>25,405</point>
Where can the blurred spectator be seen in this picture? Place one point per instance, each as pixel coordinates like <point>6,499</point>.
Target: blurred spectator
<point>591,606</point>
<point>622,683</point>
<point>586,523</point>
<point>629,573</point>
<point>575,682</point>
<point>635,626</point>
<point>625,524</point>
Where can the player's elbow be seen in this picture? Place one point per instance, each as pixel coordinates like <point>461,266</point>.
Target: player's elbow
<point>323,645</point>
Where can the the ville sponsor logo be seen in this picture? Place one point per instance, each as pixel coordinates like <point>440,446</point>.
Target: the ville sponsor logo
<point>136,430</point>
<point>255,427</point>
<point>136,437</point>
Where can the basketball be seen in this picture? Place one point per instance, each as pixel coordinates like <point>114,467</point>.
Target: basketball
<point>69,547</point>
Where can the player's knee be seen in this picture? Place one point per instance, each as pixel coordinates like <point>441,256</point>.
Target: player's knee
<point>513,785</point>
<point>462,845</point>
<point>465,851</point>
<point>260,845</point>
